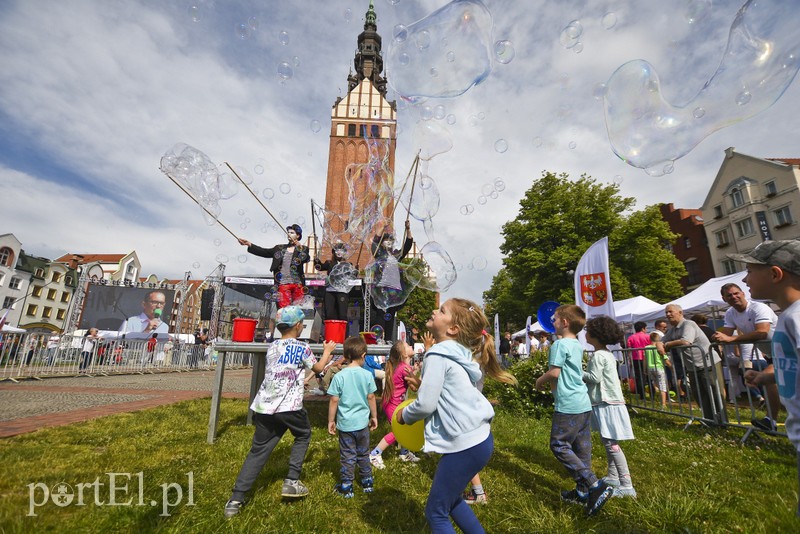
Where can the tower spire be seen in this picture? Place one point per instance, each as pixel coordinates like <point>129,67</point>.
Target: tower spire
<point>368,60</point>
<point>369,20</point>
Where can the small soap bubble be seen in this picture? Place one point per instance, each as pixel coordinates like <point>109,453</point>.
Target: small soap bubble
<point>479,263</point>
<point>599,91</point>
<point>578,48</point>
<point>258,169</point>
<point>253,23</point>
<point>403,59</point>
<point>439,112</point>
<point>426,113</point>
<point>241,212</point>
<point>473,120</point>
<point>451,119</point>
<point>481,115</point>
<point>285,188</point>
<point>348,14</point>
<point>697,10</point>
<point>268,193</point>
<point>504,52</point>
<point>499,184</point>
<point>493,194</point>
<point>242,258</point>
<point>570,35</point>
<point>482,200</point>
<point>315,126</point>
<point>422,40</point>
<point>243,226</point>
<point>296,61</point>
<point>537,142</point>
<point>196,265</point>
<point>451,56</point>
<point>743,97</point>
<point>486,189</point>
<point>195,13</point>
<point>283,37</point>
<point>609,20</point>
<point>618,179</point>
<point>698,113</point>
<point>572,145</point>
<point>283,216</point>
<point>217,242</point>
<point>242,31</point>
<point>400,33</point>
<point>222,258</point>
<point>500,146</point>
<point>464,210</point>
<point>433,72</point>
<point>285,71</point>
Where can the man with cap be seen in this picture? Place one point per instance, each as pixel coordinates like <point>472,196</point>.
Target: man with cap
<point>287,264</point>
<point>773,273</point>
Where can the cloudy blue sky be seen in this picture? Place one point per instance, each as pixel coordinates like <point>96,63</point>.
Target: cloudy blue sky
<point>92,93</point>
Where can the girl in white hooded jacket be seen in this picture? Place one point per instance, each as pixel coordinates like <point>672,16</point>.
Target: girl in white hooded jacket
<point>457,415</point>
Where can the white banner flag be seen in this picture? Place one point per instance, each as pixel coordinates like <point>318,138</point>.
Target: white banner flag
<point>528,336</point>
<point>593,281</point>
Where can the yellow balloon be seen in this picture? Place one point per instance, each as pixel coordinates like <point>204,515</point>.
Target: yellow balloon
<point>412,437</point>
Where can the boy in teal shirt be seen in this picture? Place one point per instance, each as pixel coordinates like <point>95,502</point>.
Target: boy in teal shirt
<point>352,410</point>
<point>570,433</point>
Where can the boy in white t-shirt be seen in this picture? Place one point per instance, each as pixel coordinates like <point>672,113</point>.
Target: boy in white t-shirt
<point>773,272</point>
<point>278,407</point>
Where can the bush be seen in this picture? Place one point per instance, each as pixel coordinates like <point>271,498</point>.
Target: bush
<point>524,398</point>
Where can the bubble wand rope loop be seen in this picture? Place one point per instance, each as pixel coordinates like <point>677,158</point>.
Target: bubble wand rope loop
<point>280,224</point>
<point>199,204</point>
<point>414,168</point>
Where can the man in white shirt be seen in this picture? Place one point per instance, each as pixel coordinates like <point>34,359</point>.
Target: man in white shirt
<point>750,321</point>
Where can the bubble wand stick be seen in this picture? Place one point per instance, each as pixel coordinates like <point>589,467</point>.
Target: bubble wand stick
<point>256,197</point>
<point>188,194</point>
<point>314,228</point>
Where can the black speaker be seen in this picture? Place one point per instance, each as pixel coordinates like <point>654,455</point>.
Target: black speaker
<point>207,304</point>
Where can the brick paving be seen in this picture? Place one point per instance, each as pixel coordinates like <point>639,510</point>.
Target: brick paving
<point>29,405</point>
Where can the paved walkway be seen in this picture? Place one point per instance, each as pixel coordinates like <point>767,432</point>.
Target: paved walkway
<point>29,405</point>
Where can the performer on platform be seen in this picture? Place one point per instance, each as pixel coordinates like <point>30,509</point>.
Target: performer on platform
<point>335,299</point>
<point>387,274</point>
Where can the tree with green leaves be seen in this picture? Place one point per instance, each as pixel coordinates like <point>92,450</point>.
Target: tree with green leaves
<point>558,220</point>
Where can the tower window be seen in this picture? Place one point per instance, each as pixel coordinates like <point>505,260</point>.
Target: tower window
<point>351,130</point>
<point>362,130</point>
<point>375,131</point>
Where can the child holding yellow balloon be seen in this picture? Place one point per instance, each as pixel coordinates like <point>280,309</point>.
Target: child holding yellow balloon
<point>457,416</point>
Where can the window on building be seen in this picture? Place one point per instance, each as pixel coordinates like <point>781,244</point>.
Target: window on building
<point>717,212</point>
<point>55,277</point>
<point>722,238</point>
<point>6,256</point>
<point>39,272</point>
<point>37,291</point>
<point>47,311</point>
<point>362,130</point>
<point>64,297</point>
<point>687,243</point>
<point>60,314</point>
<point>68,280</point>
<point>771,188</point>
<point>351,130</point>
<point>32,309</point>
<point>375,131</point>
<point>51,294</point>
<point>8,302</point>
<point>729,266</point>
<point>2,279</point>
<point>692,271</point>
<point>783,216</point>
<point>745,227</point>
<point>15,283</point>
<point>737,197</point>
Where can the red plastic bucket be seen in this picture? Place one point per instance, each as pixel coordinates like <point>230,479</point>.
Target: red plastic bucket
<point>244,329</point>
<point>335,331</point>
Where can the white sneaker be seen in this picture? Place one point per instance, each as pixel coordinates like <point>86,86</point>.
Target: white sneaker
<point>377,461</point>
<point>409,457</point>
<point>317,392</point>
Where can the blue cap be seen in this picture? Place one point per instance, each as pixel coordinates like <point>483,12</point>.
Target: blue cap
<point>289,316</point>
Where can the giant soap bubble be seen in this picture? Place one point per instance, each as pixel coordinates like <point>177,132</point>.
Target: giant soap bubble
<point>423,198</point>
<point>388,282</point>
<point>443,54</point>
<point>340,277</point>
<point>435,271</point>
<point>759,63</point>
<point>430,139</point>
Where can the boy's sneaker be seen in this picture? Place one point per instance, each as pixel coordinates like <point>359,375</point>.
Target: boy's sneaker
<point>598,496</point>
<point>613,482</point>
<point>409,457</point>
<point>625,491</point>
<point>345,490</point>
<point>470,497</point>
<point>293,489</point>
<point>574,496</point>
<point>232,508</point>
<point>377,461</point>
<point>368,484</point>
<point>765,424</point>
<point>316,392</point>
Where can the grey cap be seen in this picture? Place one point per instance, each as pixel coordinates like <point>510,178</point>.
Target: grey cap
<point>784,254</point>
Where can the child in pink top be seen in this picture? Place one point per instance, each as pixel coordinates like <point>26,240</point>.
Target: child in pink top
<point>399,377</point>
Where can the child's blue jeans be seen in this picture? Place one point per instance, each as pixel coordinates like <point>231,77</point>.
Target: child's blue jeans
<point>354,449</point>
<point>445,500</point>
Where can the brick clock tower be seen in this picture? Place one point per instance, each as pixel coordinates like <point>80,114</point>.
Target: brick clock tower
<point>362,118</point>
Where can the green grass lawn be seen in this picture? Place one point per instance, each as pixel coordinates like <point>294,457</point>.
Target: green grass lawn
<point>698,480</point>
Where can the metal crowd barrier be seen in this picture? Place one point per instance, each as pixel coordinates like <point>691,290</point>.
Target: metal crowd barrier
<point>713,395</point>
<point>26,356</point>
